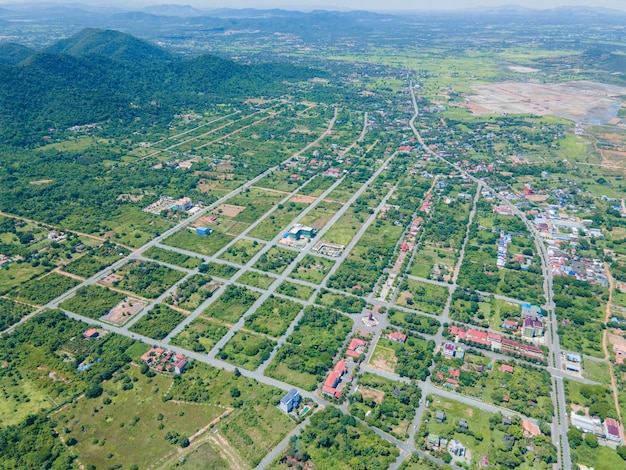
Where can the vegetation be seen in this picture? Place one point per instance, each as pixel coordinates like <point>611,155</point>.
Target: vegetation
<point>247,350</point>
<point>12,312</point>
<point>173,257</point>
<point>92,301</point>
<point>273,316</point>
<point>158,322</point>
<point>232,304</point>
<point>192,292</point>
<point>44,289</point>
<point>147,279</point>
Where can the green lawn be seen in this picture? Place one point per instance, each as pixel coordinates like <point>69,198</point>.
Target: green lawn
<point>242,251</point>
<point>254,279</point>
<point>247,350</point>
<point>295,290</point>
<point>172,257</point>
<point>231,305</point>
<point>201,335</point>
<point>312,269</point>
<point>273,316</point>
<point>204,245</point>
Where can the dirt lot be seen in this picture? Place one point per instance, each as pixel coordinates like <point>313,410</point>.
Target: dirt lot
<point>229,210</point>
<point>581,101</point>
<point>373,394</point>
<point>123,311</point>
<point>302,198</point>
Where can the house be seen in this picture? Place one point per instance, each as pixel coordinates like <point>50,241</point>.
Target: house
<point>509,325</point>
<point>463,424</point>
<point>508,440</point>
<point>433,440</point>
<point>456,448</point>
<point>611,429</point>
<point>506,368</point>
<point>532,328</point>
<point>530,429</point>
<point>204,231</point>
<point>506,420</point>
<point>397,336</point>
<point>440,416</point>
<point>455,373</point>
<point>298,231</point>
<point>91,333</point>
<point>405,247</point>
<point>290,401</point>
<point>571,367</point>
<point>449,350</point>
<point>355,348</point>
<point>333,379</point>
<point>180,366</point>
<point>452,382</point>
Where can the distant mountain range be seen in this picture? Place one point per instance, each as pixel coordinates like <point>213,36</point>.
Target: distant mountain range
<point>99,74</point>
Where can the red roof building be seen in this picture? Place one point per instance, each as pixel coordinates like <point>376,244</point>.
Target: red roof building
<point>453,382</point>
<point>506,368</point>
<point>91,333</point>
<point>455,373</point>
<point>397,336</point>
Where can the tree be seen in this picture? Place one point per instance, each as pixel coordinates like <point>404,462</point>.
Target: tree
<point>591,440</point>
<point>93,391</point>
<point>621,451</point>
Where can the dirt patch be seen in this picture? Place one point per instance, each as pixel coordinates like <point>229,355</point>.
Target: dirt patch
<point>205,185</point>
<point>38,182</point>
<point>255,101</point>
<point>228,452</point>
<point>123,311</point>
<point>373,394</point>
<point>229,210</point>
<point>224,167</point>
<point>584,101</point>
<point>469,412</point>
<point>301,131</point>
<point>302,198</point>
<point>520,69</point>
<point>537,197</point>
<point>129,197</point>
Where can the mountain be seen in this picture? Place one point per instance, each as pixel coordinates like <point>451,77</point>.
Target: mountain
<point>110,44</point>
<point>11,53</point>
<point>182,11</point>
<point>90,78</point>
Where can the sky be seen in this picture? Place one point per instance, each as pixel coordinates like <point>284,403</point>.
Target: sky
<point>375,5</point>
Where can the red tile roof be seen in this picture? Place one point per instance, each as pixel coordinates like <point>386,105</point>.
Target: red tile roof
<point>397,336</point>
<point>507,368</point>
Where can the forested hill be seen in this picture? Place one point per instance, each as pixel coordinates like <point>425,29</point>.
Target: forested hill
<point>92,77</point>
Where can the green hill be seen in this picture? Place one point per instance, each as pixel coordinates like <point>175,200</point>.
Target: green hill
<point>11,53</point>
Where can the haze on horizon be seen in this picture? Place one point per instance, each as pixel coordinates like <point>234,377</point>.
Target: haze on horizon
<point>375,5</point>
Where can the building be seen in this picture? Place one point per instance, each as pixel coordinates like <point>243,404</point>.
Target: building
<point>573,357</point>
<point>204,231</point>
<point>456,448</point>
<point>290,401</point>
<point>572,367</point>
<point>440,416</point>
<point>355,348</point>
<point>298,231</point>
<point>530,429</point>
<point>586,424</point>
<point>509,325</point>
<point>183,204</point>
<point>532,328</point>
<point>180,366</point>
<point>433,440</point>
<point>334,378</point>
<point>507,368</point>
<point>91,333</point>
<point>397,336</point>
<point>448,350</point>
<point>612,431</point>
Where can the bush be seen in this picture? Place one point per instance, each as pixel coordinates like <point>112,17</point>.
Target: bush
<point>93,391</point>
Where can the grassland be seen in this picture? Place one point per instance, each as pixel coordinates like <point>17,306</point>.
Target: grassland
<point>255,279</point>
<point>42,290</point>
<point>231,305</point>
<point>242,251</point>
<point>208,245</point>
<point>147,279</point>
<point>425,297</point>
<point>247,350</point>
<point>312,269</point>
<point>275,260</point>
<point>173,257</point>
<point>273,316</point>
<point>297,291</point>
<point>201,335</point>
<point>158,322</point>
<point>93,301</point>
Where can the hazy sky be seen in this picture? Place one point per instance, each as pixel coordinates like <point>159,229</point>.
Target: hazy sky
<point>340,4</point>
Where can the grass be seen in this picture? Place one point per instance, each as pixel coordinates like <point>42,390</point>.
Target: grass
<point>277,220</point>
<point>312,269</point>
<point>158,322</point>
<point>597,371</point>
<point>201,335</point>
<point>297,291</point>
<point>132,428</point>
<point>232,304</point>
<point>254,279</point>
<point>256,201</point>
<point>275,260</point>
<point>205,457</point>
<point>42,290</point>
<point>242,251</point>
<point>247,350</point>
<point>321,214</point>
<point>344,230</point>
<point>273,316</point>
<point>188,240</point>
<point>96,259</point>
<point>173,257</point>
<point>600,458</point>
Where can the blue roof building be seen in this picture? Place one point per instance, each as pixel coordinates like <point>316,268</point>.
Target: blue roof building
<point>290,401</point>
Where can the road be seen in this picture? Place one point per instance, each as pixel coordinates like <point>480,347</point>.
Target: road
<point>560,426</point>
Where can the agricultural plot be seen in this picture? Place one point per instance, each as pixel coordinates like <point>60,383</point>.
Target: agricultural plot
<point>247,350</point>
<point>308,352</point>
<point>276,260</point>
<point>173,257</point>
<point>12,312</point>
<point>279,180</point>
<point>312,269</point>
<point>95,259</point>
<point>475,309</point>
<point>146,279</point>
<point>192,292</point>
<point>242,251</point>
<point>321,214</point>
<point>273,316</point>
<point>256,279</point>
<point>425,297</point>
<point>231,305</point>
<point>295,290</point>
<point>388,405</point>
<point>256,203</point>
<point>93,301</point>
<point>158,322</point>
<point>42,290</point>
<point>201,335</point>
<point>317,186</point>
<point>204,245</point>
<point>344,303</point>
<point>223,271</point>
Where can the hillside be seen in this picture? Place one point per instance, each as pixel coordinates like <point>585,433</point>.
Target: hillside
<point>98,75</point>
<point>11,53</point>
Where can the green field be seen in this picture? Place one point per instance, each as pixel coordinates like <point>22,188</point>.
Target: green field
<point>204,245</point>
<point>247,350</point>
<point>312,269</point>
<point>231,305</point>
